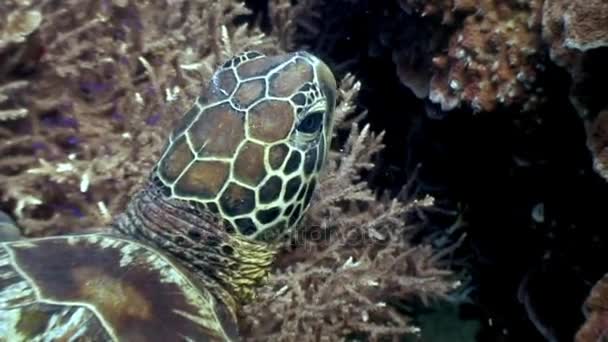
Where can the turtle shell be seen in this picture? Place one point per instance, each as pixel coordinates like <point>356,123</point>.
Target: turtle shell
<point>103,287</point>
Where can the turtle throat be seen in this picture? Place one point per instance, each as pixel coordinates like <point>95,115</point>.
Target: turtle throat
<point>198,239</point>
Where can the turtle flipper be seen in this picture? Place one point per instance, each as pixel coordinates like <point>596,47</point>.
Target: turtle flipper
<point>8,228</point>
<point>98,287</point>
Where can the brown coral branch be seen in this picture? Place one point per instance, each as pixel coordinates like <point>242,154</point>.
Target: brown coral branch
<point>96,114</point>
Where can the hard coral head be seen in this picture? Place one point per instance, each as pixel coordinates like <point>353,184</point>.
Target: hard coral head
<point>253,144</point>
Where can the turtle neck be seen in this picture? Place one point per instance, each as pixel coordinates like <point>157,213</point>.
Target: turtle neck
<point>198,239</point>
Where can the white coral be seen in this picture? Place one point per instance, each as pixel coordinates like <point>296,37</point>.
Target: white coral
<point>19,25</point>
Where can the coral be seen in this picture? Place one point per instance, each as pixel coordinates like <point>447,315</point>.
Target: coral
<point>17,25</point>
<point>99,82</point>
<point>572,27</point>
<point>576,32</point>
<point>577,35</point>
<point>102,80</point>
<point>492,56</point>
<point>6,92</point>
<point>596,308</point>
<point>352,258</point>
<point>597,142</point>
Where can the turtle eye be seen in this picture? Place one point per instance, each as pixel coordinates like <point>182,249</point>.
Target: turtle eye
<point>311,123</point>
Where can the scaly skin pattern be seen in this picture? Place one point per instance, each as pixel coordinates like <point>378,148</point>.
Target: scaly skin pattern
<point>238,172</point>
<point>259,171</point>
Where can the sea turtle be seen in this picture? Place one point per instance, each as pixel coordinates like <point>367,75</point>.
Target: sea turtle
<point>238,171</point>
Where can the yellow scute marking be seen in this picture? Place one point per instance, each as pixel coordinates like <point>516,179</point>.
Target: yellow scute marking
<point>111,296</point>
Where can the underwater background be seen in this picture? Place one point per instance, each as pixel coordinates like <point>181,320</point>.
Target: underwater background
<point>463,197</point>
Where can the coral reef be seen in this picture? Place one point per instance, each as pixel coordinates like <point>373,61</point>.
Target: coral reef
<point>596,309</point>
<point>577,35</point>
<point>98,81</point>
<point>492,56</point>
<point>6,91</point>
<point>520,178</point>
<point>18,25</point>
<point>87,89</point>
<point>353,257</point>
<point>93,88</point>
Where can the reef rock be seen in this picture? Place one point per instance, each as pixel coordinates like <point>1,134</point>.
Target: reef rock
<point>577,35</point>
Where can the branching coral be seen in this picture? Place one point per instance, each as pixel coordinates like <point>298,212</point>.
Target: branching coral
<point>102,81</point>
<point>16,27</point>
<point>492,56</point>
<point>6,92</point>
<point>351,260</point>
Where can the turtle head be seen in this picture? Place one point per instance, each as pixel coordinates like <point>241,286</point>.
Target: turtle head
<point>253,144</point>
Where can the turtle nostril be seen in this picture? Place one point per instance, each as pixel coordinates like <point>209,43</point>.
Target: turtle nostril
<point>227,250</point>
